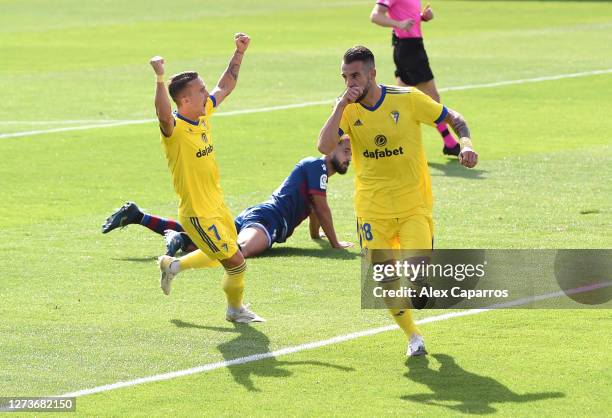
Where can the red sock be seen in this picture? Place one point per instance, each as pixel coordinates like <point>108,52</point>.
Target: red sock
<point>159,225</point>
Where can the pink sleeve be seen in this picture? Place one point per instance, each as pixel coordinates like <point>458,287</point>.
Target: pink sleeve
<point>387,3</point>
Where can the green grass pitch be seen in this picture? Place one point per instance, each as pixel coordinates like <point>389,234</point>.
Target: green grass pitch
<point>80,310</point>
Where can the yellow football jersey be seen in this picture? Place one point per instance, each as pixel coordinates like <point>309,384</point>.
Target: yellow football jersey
<point>392,178</point>
<point>191,158</point>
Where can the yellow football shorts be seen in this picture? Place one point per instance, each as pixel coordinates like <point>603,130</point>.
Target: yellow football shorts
<point>409,233</point>
<point>215,234</point>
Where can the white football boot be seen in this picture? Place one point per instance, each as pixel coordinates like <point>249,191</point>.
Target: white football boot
<point>166,275</point>
<point>244,315</point>
<point>416,346</point>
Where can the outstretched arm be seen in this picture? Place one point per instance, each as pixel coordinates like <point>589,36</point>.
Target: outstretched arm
<point>229,78</point>
<point>324,215</point>
<point>468,157</point>
<point>162,102</point>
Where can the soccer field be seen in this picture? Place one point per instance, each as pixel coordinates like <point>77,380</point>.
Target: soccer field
<point>82,310</point>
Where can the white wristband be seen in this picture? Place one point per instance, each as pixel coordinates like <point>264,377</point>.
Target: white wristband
<point>465,142</point>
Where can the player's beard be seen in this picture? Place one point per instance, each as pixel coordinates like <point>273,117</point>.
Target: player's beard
<point>339,168</point>
<point>366,90</point>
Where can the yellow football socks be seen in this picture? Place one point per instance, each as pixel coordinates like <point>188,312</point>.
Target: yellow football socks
<point>197,259</point>
<point>403,317</point>
<point>233,285</point>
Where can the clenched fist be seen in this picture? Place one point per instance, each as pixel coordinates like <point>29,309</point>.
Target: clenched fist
<point>242,41</point>
<point>350,95</point>
<point>157,63</point>
<point>468,157</point>
<point>427,14</point>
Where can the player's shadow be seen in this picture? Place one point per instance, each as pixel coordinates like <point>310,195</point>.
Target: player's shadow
<point>460,390</point>
<point>252,347</point>
<point>324,252</point>
<point>136,259</point>
<point>452,168</point>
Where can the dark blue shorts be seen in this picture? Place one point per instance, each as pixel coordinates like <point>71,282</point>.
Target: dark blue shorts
<point>266,218</point>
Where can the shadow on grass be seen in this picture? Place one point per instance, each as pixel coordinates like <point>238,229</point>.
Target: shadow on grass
<point>137,259</point>
<point>452,168</point>
<point>324,252</point>
<point>252,348</point>
<point>460,390</point>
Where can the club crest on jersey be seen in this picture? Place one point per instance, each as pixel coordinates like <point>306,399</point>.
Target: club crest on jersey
<point>395,116</point>
<point>380,140</point>
<point>204,138</point>
<point>358,123</point>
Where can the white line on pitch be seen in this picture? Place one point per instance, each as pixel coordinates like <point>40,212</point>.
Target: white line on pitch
<point>58,122</point>
<point>306,104</point>
<point>119,122</point>
<point>322,343</point>
<point>75,128</point>
<point>528,80</point>
<point>142,121</point>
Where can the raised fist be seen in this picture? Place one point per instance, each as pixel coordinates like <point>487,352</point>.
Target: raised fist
<point>242,41</point>
<point>157,63</point>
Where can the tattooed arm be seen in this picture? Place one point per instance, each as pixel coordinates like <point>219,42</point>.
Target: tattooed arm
<point>228,80</point>
<point>468,157</point>
<point>459,125</point>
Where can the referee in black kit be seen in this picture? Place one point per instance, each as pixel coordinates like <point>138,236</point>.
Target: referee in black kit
<point>411,62</point>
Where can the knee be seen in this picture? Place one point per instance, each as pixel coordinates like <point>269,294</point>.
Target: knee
<point>433,93</point>
<point>234,261</point>
<point>244,250</point>
<point>429,88</point>
<point>242,247</point>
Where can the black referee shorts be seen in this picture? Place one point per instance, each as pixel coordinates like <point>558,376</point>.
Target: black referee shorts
<point>411,62</point>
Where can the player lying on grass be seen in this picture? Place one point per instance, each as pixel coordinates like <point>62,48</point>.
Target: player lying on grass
<point>302,194</point>
<point>393,198</point>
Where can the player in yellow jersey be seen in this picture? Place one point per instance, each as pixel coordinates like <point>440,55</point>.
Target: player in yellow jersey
<point>187,140</point>
<point>393,199</point>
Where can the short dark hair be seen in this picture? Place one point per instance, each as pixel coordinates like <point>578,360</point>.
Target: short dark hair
<point>359,53</point>
<point>179,81</point>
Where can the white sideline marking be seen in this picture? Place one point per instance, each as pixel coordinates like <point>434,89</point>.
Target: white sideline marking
<point>305,104</point>
<point>75,128</point>
<point>528,80</point>
<point>142,121</point>
<point>322,343</point>
<point>57,122</point>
